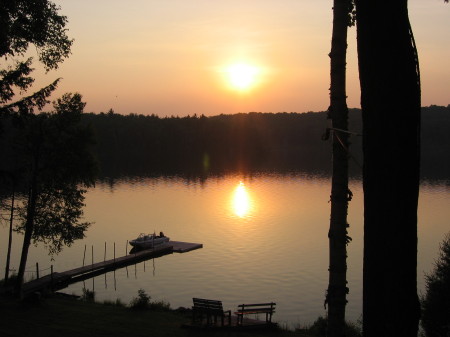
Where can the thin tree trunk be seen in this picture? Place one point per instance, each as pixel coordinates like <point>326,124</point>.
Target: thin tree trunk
<point>338,112</point>
<point>390,101</point>
<point>11,220</point>
<point>29,226</point>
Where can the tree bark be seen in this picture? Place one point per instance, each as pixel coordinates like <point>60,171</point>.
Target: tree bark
<point>11,219</point>
<point>390,101</point>
<point>338,112</point>
<point>29,225</point>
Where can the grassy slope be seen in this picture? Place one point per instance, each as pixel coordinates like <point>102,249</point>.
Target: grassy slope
<point>67,317</point>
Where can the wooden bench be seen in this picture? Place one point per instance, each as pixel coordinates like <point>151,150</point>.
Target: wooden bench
<point>211,309</point>
<point>258,308</point>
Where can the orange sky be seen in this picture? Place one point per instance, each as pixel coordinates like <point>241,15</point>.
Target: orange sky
<point>170,57</point>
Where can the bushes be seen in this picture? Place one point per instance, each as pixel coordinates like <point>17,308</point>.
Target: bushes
<point>319,328</point>
<point>436,302</point>
<point>143,302</point>
<point>88,295</point>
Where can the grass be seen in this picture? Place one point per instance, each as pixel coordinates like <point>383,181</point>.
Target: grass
<point>65,317</point>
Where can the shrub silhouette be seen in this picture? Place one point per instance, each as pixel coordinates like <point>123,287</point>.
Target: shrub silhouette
<point>436,302</point>
<point>142,302</point>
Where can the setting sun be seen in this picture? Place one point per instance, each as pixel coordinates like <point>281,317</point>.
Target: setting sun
<point>242,76</point>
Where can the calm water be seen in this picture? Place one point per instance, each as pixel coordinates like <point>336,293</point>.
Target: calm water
<point>264,237</point>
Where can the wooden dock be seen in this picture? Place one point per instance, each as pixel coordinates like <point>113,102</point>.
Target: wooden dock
<point>57,281</point>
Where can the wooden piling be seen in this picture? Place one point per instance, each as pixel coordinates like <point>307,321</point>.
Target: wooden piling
<point>92,266</point>
<point>126,254</point>
<point>84,254</point>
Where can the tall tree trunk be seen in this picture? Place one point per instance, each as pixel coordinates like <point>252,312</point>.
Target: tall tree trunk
<point>338,112</point>
<point>11,220</point>
<point>390,101</point>
<point>29,227</point>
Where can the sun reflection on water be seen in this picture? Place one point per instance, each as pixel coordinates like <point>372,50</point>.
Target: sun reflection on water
<point>241,201</point>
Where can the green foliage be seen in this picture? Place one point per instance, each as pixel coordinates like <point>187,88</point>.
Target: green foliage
<point>11,280</point>
<point>142,302</point>
<point>54,152</point>
<point>37,22</point>
<point>88,295</point>
<point>160,305</point>
<point>27,104</point>
<point>319,329</point>
<point>116,303</point>
<point>351,13</point>
<point>70,318</point>
<point>15,76</point>
<point>56,222</point>
<point>436,302</point>
<point>24,23</point>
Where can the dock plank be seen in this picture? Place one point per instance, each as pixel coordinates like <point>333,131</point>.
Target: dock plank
<point>60,280</point>
<point>184,247</point>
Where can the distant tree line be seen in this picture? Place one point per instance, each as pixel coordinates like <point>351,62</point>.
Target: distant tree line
<point>139,145</point>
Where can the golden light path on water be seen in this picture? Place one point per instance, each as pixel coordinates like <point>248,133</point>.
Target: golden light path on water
<point>264,239</point>
<point>241,201</point>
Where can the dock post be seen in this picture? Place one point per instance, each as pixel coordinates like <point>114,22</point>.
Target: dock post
<point>51,276</point>
<point>104,260</point>
<point>37,270</point>
<point>92,266</point>
<point>84,254</point>
<point>114,252</point>
<point>84,257</point>
<point>126,253</point>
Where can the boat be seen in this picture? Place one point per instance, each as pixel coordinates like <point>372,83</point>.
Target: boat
<point>145,241</point>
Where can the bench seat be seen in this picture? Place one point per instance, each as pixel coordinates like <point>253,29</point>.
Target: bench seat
<point>255,308</point>
<point>209,309</point>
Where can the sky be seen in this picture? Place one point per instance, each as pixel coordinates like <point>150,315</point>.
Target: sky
<point>186,57</point>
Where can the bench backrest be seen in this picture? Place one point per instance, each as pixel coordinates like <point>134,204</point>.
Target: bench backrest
<point>257,306</point>
<point>207,305</point>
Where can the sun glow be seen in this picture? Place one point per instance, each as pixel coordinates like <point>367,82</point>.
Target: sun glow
<point>241,201</point>
<point>242,76</point>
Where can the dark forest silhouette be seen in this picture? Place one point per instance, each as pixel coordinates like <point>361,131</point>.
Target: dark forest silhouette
<point>138,145</point>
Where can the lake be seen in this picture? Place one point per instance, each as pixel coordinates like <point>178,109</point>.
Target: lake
<point>264,239</point>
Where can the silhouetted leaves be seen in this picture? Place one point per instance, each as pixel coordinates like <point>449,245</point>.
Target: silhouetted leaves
<point>24,23</point>
<point>436,302</point>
